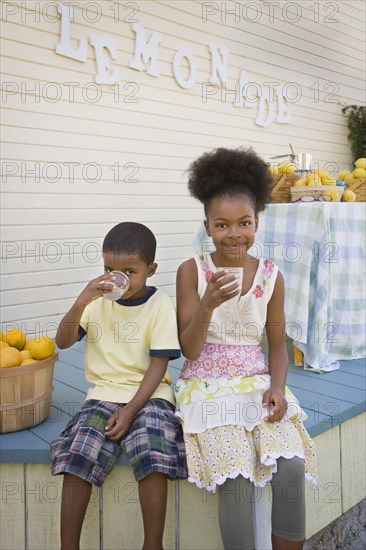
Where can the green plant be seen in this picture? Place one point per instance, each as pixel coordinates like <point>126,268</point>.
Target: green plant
<point>356,123</point>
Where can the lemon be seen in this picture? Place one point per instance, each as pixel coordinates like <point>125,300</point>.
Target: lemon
<point>359,173</point>
<point>286,167</point>
<point>348,196</point>
<point>28,343</point>
<point>309,177</point>
<point>329,181</point>
<point>1,337</point>
<point>349,178</point>
<point>361,163</point>
<point>299,183</point>
<point>321,173</point>
<point>342,175</point>
<point>25,354</point>
<point>317,180</point>
<point>28,362</point>
<point>332,193</point>
<point>9,357</point>
<point>15,338</point>
<point>42,348</point>
<point>273,169</point>
<point>3,344</point>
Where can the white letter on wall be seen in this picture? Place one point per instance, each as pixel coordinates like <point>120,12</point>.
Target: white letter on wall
<point>103,62</point>
<point>284,114</point>
<point>241,99</point>
<point>146,50</point>
<point>218,65</point>
<point>263,103</point>
<point>177,61</point>
<point>64,46</point>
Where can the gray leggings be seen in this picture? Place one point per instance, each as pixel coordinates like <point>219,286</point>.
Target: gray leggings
<point>288,506</point>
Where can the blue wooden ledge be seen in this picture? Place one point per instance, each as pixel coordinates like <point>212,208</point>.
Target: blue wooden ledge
<point>328,399</point>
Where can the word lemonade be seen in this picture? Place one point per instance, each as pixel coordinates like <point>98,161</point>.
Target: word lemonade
<point>245,94</point>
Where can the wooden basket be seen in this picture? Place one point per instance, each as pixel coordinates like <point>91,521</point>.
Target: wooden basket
<point>282,183</point>
<point>315,191</point>
<point>358,186</point>
<point>25,394</point>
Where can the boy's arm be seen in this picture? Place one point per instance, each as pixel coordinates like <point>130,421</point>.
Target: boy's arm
<point>68,330</point>
<point>120,422</point>
<point>277,352</point>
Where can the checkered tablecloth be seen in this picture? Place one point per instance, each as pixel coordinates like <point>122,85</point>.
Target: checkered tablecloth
<point>320,249</point>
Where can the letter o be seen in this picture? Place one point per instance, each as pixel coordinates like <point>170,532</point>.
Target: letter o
<point>177,61</point>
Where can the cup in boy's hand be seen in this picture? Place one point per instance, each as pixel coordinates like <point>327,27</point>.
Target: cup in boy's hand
<point>238,272</point>
<point>119,285</point>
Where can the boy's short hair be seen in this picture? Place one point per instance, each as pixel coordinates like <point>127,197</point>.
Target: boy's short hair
<point>131,238</point>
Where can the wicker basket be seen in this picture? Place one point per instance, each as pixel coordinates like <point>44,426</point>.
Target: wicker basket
<point>358,186</point>
<point>315,191</point>
<point>281,190</point>
<point>25,394</point>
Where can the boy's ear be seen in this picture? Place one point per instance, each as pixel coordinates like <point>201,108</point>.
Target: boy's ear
<point>151,269</point>
<point>205,223</point>
<point>256,223</point>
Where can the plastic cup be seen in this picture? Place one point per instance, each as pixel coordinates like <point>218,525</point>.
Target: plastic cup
<point>238,272</point>
<point>119,286</point>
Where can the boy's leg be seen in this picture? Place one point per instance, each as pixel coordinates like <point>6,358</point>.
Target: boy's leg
<point>75,499</point>
<point>153,491</point>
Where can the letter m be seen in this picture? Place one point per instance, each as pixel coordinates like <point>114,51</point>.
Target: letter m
<point>145,50</point>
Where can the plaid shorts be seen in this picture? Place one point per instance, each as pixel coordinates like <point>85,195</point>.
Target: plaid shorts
<point>153,444</point>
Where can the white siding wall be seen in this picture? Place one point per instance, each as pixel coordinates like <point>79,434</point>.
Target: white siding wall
<point>52,230</point>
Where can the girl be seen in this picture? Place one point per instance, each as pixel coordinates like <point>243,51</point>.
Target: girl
<point>242,426</point>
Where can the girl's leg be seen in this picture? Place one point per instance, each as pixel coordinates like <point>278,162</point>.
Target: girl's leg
<point>75,499</point>
<point>235,514</point>
<point>288,507</point>
<point>153,490</point>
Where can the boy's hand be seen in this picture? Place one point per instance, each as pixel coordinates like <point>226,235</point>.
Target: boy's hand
<point>215,295</point>
<point>95,289</point>
<point>275,399</point>
<point>120,422</point>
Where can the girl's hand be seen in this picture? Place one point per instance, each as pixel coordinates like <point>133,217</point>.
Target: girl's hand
<point>120,422</point>
<point>215,294</point>
<point>274,399</point>
<point>95,289</point>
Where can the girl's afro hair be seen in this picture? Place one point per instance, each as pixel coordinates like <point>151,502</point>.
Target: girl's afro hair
<point>224,172</point>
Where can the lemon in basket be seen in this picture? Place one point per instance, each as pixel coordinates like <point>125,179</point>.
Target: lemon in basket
<point>15,338</point>
<point>359,173</point>
<point>9,357</point>
<point>343,174</point>
<point>309,177</point>
<point>329,181</point>
<point>42,347</point>
<point>286,167</point>
<point>299,183</point>
<point>361,163</point>
<point>321,173</point>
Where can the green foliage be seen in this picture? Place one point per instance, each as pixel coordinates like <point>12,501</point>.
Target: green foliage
<point>356,123</point>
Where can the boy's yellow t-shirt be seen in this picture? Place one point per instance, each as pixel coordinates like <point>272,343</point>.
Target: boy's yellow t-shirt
<point>122,336</point>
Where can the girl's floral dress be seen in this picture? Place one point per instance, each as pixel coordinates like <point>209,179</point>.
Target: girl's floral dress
<point>219,395</point>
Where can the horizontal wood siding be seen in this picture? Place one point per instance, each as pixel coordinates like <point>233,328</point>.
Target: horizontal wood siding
<point>53,224</point>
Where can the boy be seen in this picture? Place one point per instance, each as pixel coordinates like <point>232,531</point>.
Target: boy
<point>131,405</point>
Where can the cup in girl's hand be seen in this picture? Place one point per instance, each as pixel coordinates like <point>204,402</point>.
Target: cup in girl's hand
<point>119,286</point>
<point>238,272</point>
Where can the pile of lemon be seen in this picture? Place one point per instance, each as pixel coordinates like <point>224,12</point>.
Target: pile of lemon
<point>16,350</point>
